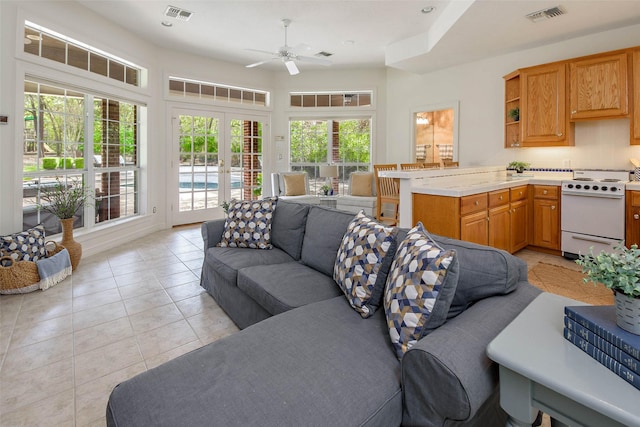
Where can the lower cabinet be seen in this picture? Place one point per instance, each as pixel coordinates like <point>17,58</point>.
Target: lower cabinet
<point>498,218</point>
<point>633,218</point>
<point>546,217</point>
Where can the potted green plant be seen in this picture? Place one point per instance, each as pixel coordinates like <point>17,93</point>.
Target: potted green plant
<point>63,199</point>
<point>514,114</point>
<point>519,167</point>
<point>618,270</point>
<point>325,189</point>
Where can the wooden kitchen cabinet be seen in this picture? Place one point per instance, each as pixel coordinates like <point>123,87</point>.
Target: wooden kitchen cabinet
<point>512,133</point>
<point>599,87</point>
<point>518,218</point>
<point>543,115</point>
<point>499,220</point>
<point>632,202</point>
<point>635,105</point>
<point>546,217</point>
<point>475,228</point>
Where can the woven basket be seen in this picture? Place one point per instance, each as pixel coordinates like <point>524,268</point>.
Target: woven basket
<point>18,277</point>
<point>56,248</point>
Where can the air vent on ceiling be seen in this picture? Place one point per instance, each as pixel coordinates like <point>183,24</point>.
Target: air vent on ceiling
<point>177,13</point>
<point>543,15</point>
<point>323,53</point>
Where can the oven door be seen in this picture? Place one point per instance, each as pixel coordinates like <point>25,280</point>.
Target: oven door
<point>591,222</point>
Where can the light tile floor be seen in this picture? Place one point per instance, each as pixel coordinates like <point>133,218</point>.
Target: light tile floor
<point>121,312</point>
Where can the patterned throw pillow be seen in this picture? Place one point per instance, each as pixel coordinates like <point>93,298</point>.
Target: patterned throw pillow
<point>362,263</point>
<point>24,246</point>
<point>420,288</point>
<point>248,224</point>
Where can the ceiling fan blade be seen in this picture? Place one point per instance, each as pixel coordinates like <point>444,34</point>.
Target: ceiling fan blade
<point>262,51</point>
<point>255,64</point>
<point>291,66</point>
<point>313,60</point>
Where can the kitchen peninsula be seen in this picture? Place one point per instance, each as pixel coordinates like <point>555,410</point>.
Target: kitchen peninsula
<point>485,205</point>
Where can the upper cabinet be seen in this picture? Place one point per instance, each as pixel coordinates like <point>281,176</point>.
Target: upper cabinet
<point>543,115</point>
<point>512,110</point>
<point>599,87</point>
<point>635,106</point>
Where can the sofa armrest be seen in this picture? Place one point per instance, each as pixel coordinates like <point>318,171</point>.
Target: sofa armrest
<point>212,232</point>
<point>447,374</point>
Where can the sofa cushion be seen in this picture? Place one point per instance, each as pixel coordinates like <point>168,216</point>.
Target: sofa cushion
<point>262,376</point>
<point>363,261</point>
<point>248,224</point>
<point>281,287</point>
<point>26,245</point>
<point>484,272</point>
<point>227,261</point>
<point>287,228</point>
<point>294,185</point>
<point>323,234</point>
<point>361,184</point>
<point>420,288</point>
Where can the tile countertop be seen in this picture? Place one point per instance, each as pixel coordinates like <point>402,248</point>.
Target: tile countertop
<point>633,185</point>
<point>480,181</point>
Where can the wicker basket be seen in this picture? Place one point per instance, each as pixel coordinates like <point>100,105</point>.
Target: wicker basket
<point>21,277</point>
<point>18,277</point>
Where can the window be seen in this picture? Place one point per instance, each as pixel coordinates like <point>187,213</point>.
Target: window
<point>330,99</point>
<point>72,135</point>
<point>344,142</point>
<point>194,89</point>
<point>48,44</point>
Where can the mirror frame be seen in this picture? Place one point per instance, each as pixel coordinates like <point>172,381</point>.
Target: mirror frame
<point>455,106</point>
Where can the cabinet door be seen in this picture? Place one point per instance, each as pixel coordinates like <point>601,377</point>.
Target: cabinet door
<point>635,120</point>
<point>474,228</point>
<point>599,87</point>
<point>543,117</point>
<point>546,223</point>
<point>499,226</point>
<point>519,226</point>
<point>633,218</point>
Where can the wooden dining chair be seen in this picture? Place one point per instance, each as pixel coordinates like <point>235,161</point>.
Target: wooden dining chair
<point>411,166</point>
<point>450,164</point>
<point>432,165</point>
<point>388,192</point>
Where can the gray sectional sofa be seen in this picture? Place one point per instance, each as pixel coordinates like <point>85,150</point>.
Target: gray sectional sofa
<point>306,358</point>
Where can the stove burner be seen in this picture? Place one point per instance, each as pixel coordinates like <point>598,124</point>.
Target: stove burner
<point>583,179</point>
<point>610,180</point>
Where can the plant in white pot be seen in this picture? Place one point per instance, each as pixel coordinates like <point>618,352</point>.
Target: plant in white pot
<point>518,166</point>
<point>620,271</point>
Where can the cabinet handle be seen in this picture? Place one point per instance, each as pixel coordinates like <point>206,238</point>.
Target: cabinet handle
<point>477,202</point>
<point>636,216</point>
<point>544,192</point>
<point>574,111</point>
<point>560,134</point>
<point>552,207</point>
<point>500,197</point>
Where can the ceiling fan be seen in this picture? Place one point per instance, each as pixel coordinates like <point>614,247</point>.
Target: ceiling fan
<point>289,55</point>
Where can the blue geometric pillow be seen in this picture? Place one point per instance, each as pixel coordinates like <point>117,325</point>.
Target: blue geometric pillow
<point>363,261</point>
<point>24,246</point>
<point>420,288</point>
<point>248,224</point>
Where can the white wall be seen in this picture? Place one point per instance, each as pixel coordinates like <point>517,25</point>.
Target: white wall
<point>480,89</point>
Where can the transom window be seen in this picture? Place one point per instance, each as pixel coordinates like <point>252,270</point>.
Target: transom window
<point>51,45</point>
<point>207,91</point>
<point>330,99</point>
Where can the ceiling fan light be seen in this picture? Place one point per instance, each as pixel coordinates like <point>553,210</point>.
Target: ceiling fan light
<point>291,66</point>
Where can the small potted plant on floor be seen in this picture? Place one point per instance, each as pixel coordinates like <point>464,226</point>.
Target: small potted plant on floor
<point>620,271</point>
<point>519,167</point>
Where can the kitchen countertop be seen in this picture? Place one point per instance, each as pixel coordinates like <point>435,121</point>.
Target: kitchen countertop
<point>481,182</point>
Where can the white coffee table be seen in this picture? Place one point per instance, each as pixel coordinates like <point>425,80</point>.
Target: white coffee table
<point>329,201</point>
<point>540,370</point>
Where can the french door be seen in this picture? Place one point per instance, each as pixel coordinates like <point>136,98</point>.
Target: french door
<point>218,157</point>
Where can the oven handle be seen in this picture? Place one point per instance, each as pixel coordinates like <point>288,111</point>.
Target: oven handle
<point>591,239</point>
<point>600,195</point>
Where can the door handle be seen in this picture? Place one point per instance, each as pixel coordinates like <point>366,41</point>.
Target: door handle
<point>636,216</point>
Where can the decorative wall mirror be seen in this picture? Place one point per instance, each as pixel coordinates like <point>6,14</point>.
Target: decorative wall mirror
<point>435,133</point>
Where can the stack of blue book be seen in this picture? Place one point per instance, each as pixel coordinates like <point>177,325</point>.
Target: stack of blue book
<point>593,329</point>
